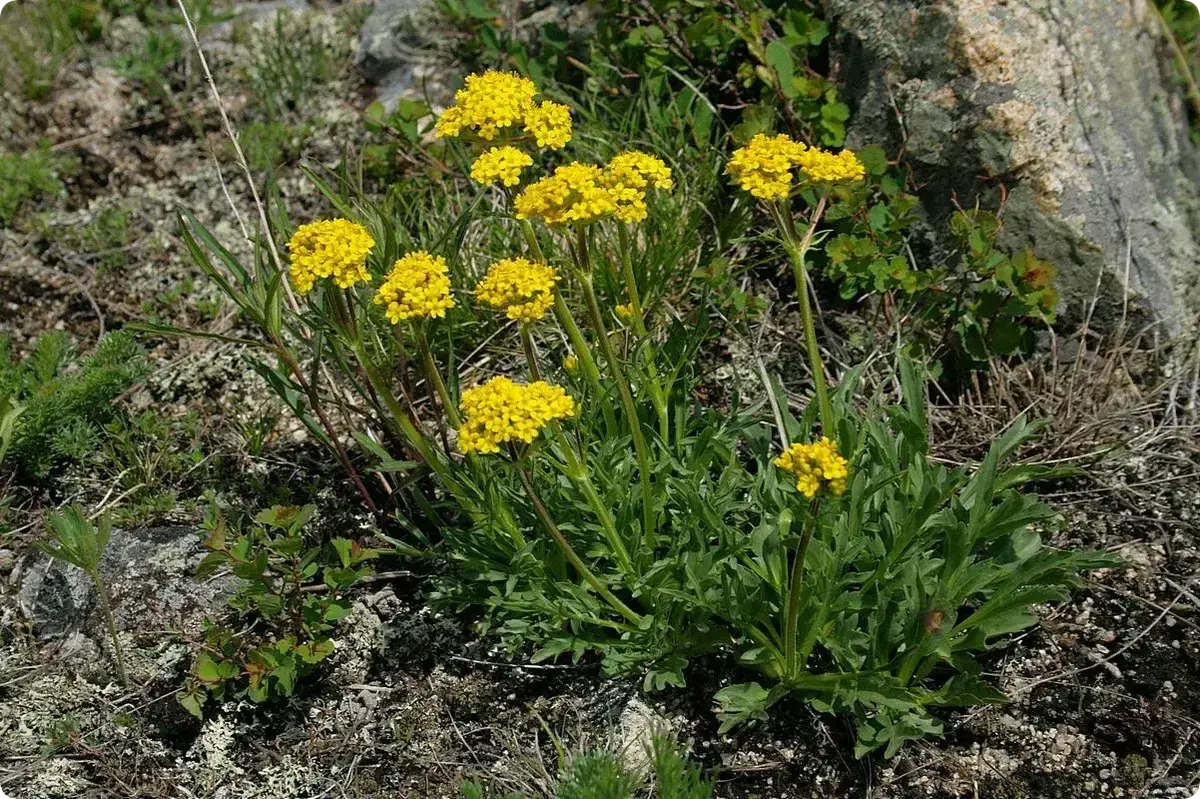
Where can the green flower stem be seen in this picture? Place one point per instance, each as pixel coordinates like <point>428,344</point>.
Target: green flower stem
<point>110,622</point>
<point>795,583</point>
<point>797,249</point>
<point>574,335</point>
<point>587,364</point>
<point>414,436</point>
<point>578,474</point>
<point>544,514</point>
<point>530,355</point>
<point>657,397</point>
<point>639,323</point>
<point>434,376</point>
<point>649,534</point>
<point>314,401</point>
<point>342,310</point>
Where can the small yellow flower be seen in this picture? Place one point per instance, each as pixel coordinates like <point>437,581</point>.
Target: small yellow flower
<point>816,466</point>
<point>639,170</point>
<point>418,287</point>
<point>628,176</point>
<point>625,312</point>
<point>570,363</point>
<point>574,193</point>
<point>329,248</point>
<point>550,124</point>
<point>501,411</point>
<point>487,104</point>
<point>502,164</point>
<point>764,166</point>
<point>522,289</point>
<point>821,166</point>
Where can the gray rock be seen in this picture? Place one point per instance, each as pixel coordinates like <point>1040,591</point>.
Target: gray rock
<point>150,576</point>
<point>400,53</point>
<point>406,48</point>
<point>56,598</point>
<point>1070,107</point>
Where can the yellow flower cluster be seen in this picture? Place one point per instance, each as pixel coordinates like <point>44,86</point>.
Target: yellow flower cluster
<point>501,411</point>
<point>585,192</point>
<point>816,466</point>
<point>764,166</point>
<point>625,312</point>
<point>494,101</point>
<point>820,166</point>
<point>549,124</point>
<point>574,193</point>
<point>627,178</point>
<point>418,287</point>
<point>335,248</point>
<point>488,103</point>
<point>523,289</point>
<point>502,164</point>
<point>639,170</point>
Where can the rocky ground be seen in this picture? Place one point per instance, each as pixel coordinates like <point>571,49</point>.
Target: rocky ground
<point>1106,691</point>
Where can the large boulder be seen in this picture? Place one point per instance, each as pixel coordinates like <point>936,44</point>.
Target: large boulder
<point>1070,110</point>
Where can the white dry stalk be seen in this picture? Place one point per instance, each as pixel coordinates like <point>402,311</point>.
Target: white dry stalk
<point>239,156</point>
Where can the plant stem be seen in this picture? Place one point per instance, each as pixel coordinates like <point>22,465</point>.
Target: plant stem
<point>414,436</point>
<point>343,311</point>
<point>797,250</point>
<point>530,354</point>
<point>111,623</point>
<point>649,534</point>
<point>795,582</point>
<point>339,450</point>
<point>574,335</point>
<point>544,514</point>
<point>434,376</point>
<point>639,325</point>
<point>578,474</point>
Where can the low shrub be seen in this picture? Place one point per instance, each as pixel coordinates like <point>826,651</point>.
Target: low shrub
<point>288,602</point>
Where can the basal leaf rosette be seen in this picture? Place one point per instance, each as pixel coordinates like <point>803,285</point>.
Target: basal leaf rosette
<point>418,287</point>
<point>333,249</point>
<point>524,290</point>
<point>501,412</point>
<point>818,467</point>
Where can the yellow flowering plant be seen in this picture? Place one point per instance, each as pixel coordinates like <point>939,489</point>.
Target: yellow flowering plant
<point>588,497</point>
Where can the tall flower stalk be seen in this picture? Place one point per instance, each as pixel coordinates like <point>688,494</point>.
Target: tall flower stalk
<point>797,248</point>
<point>764,169</point>
<point>583,275</point>
<point>820,471</point>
